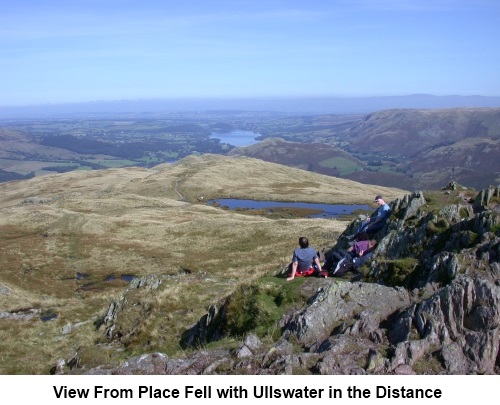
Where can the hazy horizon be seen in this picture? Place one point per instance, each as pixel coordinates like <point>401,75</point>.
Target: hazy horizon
<point>287,105</point>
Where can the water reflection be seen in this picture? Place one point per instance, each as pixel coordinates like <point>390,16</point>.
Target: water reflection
<point>322,210</point>
<point>237,138</point>
<point>126,277</point>
<point>48,316</point>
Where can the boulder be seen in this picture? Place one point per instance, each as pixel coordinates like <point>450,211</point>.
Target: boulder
<point>342,301</point>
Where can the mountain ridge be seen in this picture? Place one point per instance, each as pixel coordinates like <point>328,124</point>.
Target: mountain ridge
<point>406,148</point>
<point>414,148</point>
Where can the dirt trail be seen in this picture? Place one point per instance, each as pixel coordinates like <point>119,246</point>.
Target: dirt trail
<point>176,188</point>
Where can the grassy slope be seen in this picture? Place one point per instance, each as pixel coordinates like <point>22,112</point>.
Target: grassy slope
<point>62,235</point>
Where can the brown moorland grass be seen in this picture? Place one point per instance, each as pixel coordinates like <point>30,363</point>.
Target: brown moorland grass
<point>66,239</point>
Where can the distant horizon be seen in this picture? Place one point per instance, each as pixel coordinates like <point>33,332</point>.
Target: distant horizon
<point>243,97</point>
<point>287,105</point>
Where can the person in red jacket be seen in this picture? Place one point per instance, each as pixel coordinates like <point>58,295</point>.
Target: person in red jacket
<point>303,258</point>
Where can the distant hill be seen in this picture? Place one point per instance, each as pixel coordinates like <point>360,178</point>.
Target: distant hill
<point>410,133</point>
<point>413,149</point>
<point>432,147</point>
<point>310,105</point>
<point>315,157</point>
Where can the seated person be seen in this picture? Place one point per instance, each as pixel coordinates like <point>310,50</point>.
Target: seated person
<point>303,258</point>
<point>357,249</point>
<point>376,221</point>
<point>360,260</point>
<point>352,258</point>
<point>360,247</point>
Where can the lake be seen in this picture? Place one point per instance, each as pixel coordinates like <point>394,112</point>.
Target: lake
<point>236,138</point>
<point>321,210</point>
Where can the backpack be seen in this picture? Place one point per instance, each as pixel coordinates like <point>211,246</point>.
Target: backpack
<point>343,266</point>
<point>332,259</point>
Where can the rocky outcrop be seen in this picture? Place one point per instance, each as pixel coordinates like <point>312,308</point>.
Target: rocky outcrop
<point>136,310</point>
<point>428,303</point>
<point>25,314</point>
<point>367,304</point>
<point>454,331</point>
<point>459,325</point>
<point>482,200</point>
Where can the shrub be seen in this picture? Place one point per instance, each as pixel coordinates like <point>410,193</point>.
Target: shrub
<point>258,306</point>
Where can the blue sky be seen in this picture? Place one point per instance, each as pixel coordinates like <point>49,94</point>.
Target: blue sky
<point>69,51</point>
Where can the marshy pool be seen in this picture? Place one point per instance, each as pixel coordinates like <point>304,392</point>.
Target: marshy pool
<point>309,210</point>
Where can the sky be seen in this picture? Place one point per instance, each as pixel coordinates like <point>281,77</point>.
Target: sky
<point>67,51</point>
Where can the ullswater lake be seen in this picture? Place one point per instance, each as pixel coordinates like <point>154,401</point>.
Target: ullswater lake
<point>237,138</point>
<point>318,210</point>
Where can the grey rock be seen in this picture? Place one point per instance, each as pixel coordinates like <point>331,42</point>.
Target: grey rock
<point>253,342</point>
<point>4,290</point>
<point>149,364</point>
<point>67,329</point>
<point>404,370</point>
<point>341,301</point>
<point>461,319</point>
<point>243,351</point>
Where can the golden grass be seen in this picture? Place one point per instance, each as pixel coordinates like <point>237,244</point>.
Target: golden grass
<point>214,176</point>
<point>62,235</point>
